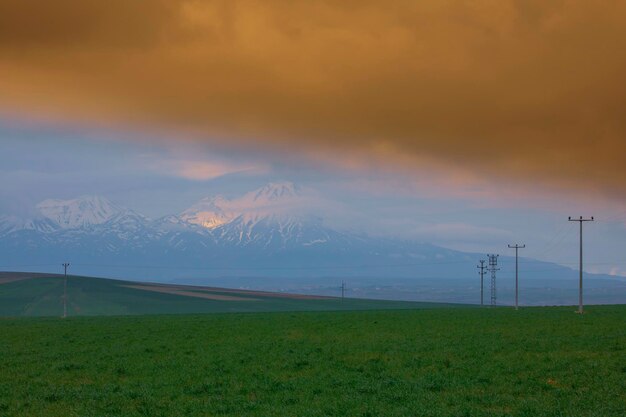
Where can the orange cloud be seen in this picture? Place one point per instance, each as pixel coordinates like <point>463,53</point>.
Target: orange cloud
<point>509,89</point>
<point>195,170</point>
<point>201,169</point>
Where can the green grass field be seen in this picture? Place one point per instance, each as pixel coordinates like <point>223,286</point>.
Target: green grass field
<point>429,362</point>
<point>33,295</point>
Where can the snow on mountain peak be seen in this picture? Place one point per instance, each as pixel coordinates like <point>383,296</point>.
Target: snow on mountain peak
<point>217,201</point>
<point>9,224</point>
<point>275,191</point>
<point>269,200</point>
<point>210,212</point>
<point>282,206</point>
<point>78,212</point>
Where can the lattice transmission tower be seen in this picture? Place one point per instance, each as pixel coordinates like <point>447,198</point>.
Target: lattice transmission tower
<point>493,267</point>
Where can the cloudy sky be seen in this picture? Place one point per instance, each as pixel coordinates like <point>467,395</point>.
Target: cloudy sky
<point>470,124</point>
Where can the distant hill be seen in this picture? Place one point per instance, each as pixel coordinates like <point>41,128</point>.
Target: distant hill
<point>24,294</point>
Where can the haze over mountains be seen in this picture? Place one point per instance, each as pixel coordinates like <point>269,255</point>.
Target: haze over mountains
<point>269,238</point>
<point>274,227</point>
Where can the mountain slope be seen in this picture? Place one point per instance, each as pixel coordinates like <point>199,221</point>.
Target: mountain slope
<point>274,200</point>
<point>80,212</point>
<point>209,212</point>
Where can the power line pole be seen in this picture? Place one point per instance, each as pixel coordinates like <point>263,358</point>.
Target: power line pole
<point>343,289</point>
<point>516,247</point>
<point>580,278</point>
<point>482,274</point>
<point>493,263</point>
<point>65,265</point>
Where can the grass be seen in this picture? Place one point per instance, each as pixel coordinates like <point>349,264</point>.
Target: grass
<point>43,296</point>
<point>437,362</point>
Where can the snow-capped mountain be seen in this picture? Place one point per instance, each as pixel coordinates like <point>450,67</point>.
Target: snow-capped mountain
<point>80,212</point>
<point>278,201</point>
<point>210,212</point>
<point>53,215</point>
<point>271,216</point>
<point>274,225</point>
<point>274,193</point>
<point>276,216</point>
<point>9,224</point>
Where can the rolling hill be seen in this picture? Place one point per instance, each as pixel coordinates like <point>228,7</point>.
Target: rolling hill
<point>23,294</point>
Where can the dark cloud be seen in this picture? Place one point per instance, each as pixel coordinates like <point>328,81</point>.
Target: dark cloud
<point>531,89</point>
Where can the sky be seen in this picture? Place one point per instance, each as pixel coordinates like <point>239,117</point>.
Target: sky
<point>469,124</point>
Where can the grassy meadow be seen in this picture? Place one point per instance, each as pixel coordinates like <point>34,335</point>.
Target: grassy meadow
<point>428,362</point>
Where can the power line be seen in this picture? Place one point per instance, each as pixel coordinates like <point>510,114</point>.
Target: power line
<point>580,220</point>
<point>526,261</point>
<point>556,244</point>
<point>288,268</point>
<point>539,250</point>
<point>517,247</point>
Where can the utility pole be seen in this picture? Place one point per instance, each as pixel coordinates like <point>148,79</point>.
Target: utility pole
<point>580,278</point>
<point>343,289</point>
<point>516,247</point>
<point>493,263</point>
<point>482,274</point>
<point>65,265</point>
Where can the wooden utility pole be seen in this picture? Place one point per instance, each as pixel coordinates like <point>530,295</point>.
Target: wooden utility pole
<point>580,278</point>
<point>65,265</point>
<point>516,247</point>
<point>482,274</point>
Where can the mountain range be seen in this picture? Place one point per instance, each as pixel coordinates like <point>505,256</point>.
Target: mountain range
<point>274,227</point>
<point>270,238</point>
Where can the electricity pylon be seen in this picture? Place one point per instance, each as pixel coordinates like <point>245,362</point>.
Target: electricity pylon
<point>493,267</point>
